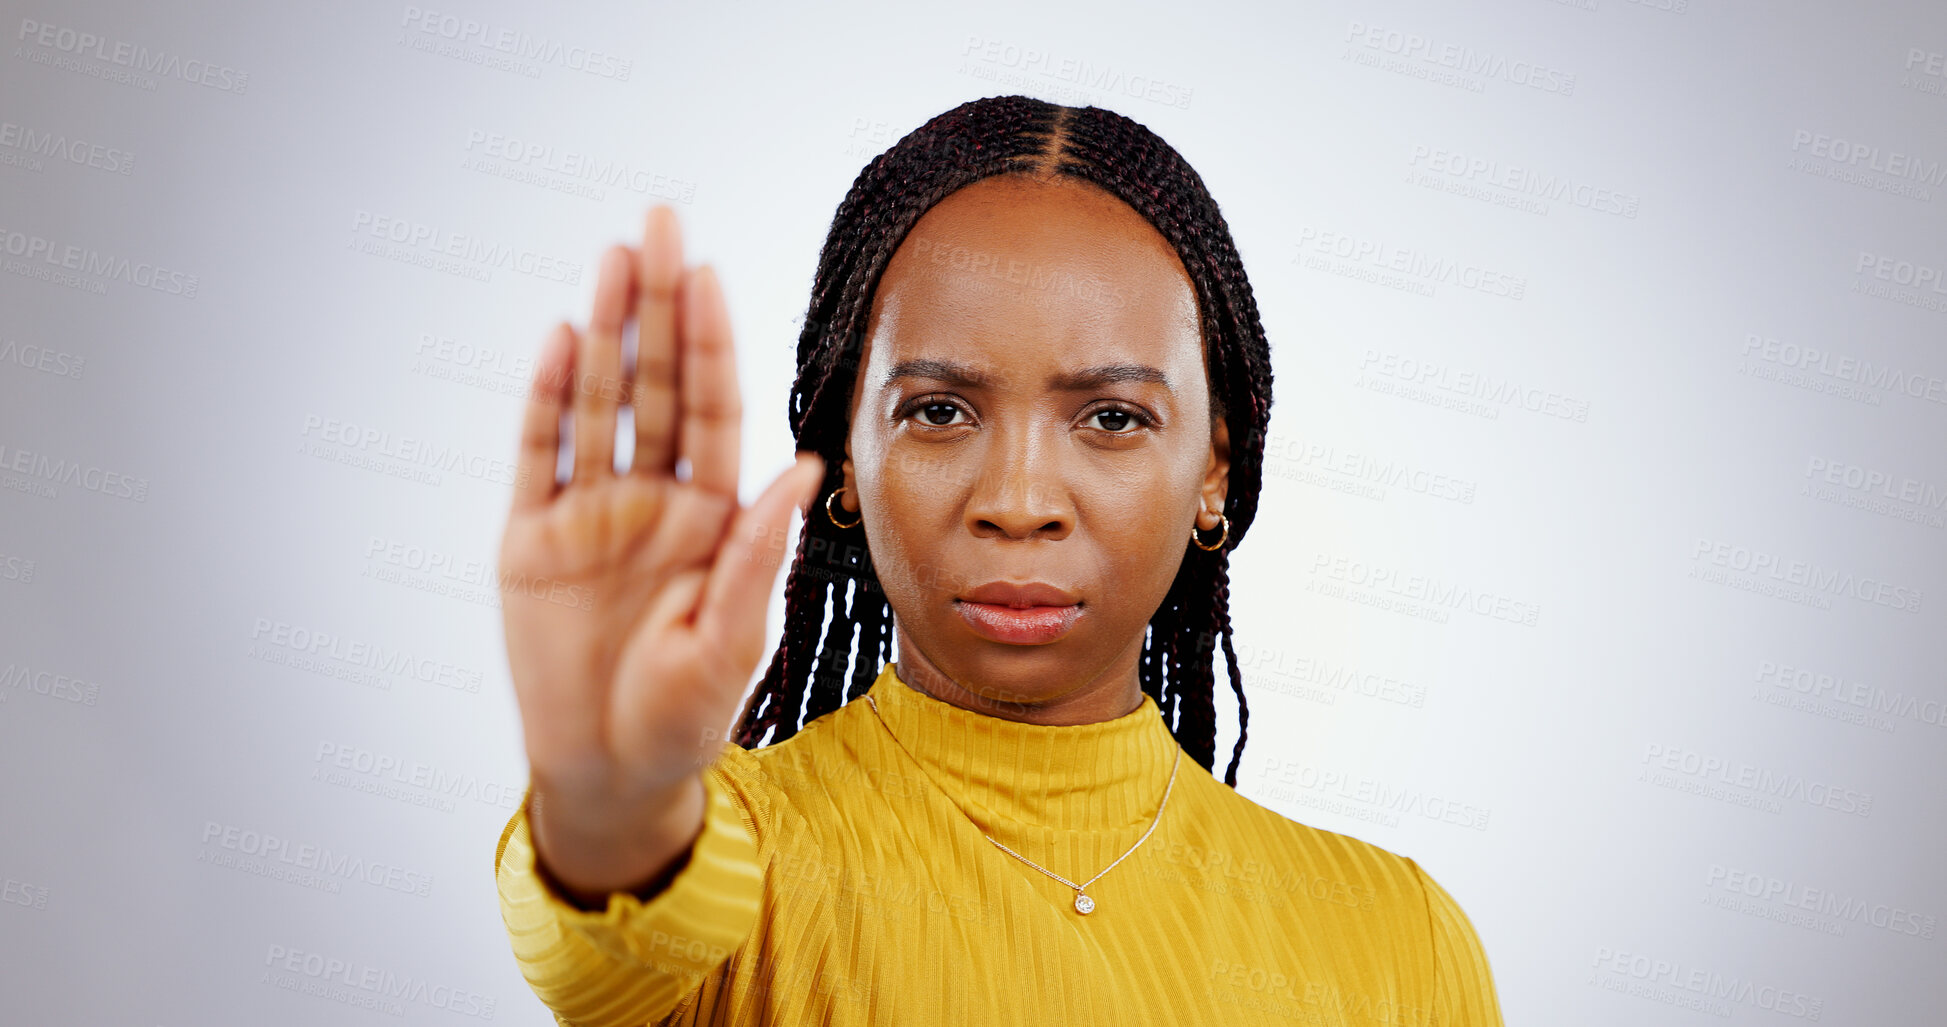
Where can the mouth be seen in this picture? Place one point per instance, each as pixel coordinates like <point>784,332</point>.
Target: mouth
<point>1030,614</point>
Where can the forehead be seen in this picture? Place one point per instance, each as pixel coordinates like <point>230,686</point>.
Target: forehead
<point>1036,272</point>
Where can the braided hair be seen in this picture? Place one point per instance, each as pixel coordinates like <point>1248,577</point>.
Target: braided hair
<point>824,661</point>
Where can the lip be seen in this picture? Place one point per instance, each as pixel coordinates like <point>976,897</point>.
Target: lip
<point>1026,593</point>
<point>1031,613</point>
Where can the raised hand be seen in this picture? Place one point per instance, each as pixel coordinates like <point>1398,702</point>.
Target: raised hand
<point>636,614</point>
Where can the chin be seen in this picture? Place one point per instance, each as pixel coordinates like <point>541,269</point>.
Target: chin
<point>1018,674</point>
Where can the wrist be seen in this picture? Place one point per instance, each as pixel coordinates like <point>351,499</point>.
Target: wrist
<point>589,851</point>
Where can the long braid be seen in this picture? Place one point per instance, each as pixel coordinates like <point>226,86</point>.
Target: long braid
<point>1221,611</point>
<point>831,583</point>
<point>875,646</point>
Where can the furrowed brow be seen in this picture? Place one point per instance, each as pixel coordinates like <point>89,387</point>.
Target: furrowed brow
<point>942,370</point>
<point>1071,381</point>
<point>1096,377</point>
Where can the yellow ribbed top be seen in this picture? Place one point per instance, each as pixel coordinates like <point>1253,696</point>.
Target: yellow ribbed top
<point>842,878</point>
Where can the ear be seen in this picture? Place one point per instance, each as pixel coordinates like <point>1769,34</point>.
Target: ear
<point>1216,477</point>
<point>849,500</point>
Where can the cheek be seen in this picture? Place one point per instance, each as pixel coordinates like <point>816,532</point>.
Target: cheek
<point>1139,532</point>
<point>907,527</point>
<point>1136,538</point>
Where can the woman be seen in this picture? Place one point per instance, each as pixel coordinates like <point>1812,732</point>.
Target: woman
<point>1031,367</point>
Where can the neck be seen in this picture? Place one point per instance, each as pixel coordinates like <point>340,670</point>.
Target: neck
<point>1006,775</point>
<point>1115,692</point>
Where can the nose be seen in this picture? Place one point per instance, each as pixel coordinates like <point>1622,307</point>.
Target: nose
<point>1020,490</point>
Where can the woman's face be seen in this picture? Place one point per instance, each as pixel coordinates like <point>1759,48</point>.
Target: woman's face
<point>1032,409</point>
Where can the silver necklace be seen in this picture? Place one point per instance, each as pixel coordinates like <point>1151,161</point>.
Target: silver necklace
<point>1084,903</point>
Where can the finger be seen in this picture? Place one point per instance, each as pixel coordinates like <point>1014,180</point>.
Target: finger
<point>598,368</point>
<point>746,563</point>
<point>713,411</point>
<point>540,447</point>
<point>659,269</point>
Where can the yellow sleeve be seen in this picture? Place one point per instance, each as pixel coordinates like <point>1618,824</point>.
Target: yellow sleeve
<point>1463,983</point>
<point>634,962</point>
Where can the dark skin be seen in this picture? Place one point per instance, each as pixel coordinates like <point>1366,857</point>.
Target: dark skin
<point>1091,488</point>
<point>1088,486</point>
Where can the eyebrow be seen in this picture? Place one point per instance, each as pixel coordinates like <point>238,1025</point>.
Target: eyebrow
<point>1068,381</point>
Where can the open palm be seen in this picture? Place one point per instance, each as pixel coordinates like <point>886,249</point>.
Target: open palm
<point>633,601</point>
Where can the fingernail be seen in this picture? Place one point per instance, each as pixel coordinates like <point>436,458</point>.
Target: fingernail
<point>663,237</point>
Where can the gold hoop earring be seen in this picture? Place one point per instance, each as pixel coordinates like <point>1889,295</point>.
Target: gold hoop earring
<point>1221,539</point>
<point>834,517</point>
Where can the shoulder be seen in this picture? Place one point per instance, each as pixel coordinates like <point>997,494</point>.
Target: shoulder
<point>1341,867</point>
<point>1401,908</point>
<point>789,776</point>
<point>821,744</point>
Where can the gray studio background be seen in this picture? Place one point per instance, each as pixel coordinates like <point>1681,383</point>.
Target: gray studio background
<point>1601,559</point>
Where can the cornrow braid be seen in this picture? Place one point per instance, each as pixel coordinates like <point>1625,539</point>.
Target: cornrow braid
<point>838,625</point>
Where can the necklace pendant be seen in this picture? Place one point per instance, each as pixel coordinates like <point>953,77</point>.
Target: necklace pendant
<point>1084,904</point>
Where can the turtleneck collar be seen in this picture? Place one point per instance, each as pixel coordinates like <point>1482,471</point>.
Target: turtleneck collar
<point>1081,777</point>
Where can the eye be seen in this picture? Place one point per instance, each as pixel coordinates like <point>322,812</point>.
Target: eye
<point>936,412</point>
<point>1118,420</point>
<point>939,414</point>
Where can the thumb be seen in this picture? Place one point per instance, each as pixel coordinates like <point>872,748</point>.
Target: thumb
<point>736,598</point>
